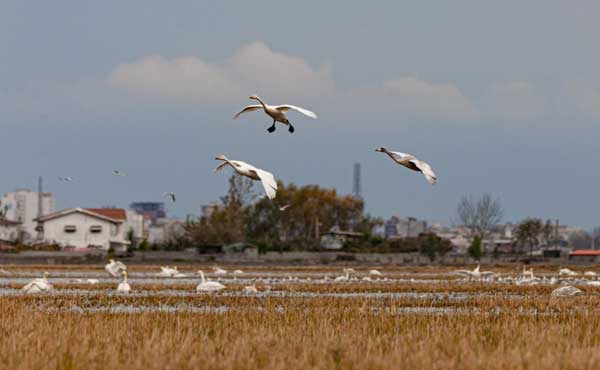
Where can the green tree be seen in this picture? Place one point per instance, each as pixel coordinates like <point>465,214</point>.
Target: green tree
<point>432,245</point>
<point>475,251</point>
<point>528,233</point>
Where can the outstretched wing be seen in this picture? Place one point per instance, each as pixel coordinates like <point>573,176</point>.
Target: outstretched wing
<point>220,167</point>
<point>426,170</point>
<point>284,108</point>
<point>268,181</point>
<point>250,108</point>
<point>120,266</point>
<point>397,155</point>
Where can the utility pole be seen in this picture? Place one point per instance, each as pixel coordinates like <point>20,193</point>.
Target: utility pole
<point>40,227</point>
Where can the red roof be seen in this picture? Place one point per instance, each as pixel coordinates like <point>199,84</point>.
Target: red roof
<point>585,252</point>
<point>114,213</point>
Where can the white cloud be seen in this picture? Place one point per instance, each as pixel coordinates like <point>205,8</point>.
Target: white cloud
<point>584,97</point>
<point>413,96</point>
<point>254,68</point>
<point>513,100</point>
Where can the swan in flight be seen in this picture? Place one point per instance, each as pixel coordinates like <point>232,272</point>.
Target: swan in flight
<point>207,285</point>
<point>124,285</point>
<point>248,170</point>
<point>39,285</point>
<point>114,267</point>
<point>65,179</point>
<point>566,291</point>
<point>119,173</point>
<point>475,274</point>
<point>170,195</point>
<point>410,162</point>
<point>276,112</point>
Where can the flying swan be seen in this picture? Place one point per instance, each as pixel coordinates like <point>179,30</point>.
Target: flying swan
<point>114,267</point>
<point>410,162</point>
<point>276,112</point>
<point>248,170</point>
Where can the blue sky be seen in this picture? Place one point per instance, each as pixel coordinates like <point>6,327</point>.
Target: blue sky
<point>499,97</point>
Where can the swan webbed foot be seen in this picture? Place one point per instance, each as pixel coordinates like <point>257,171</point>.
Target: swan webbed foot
<point>271,129</point>
<point>291,129</point>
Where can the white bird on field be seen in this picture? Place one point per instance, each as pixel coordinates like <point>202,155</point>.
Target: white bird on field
<point>166,271</point>
<point>219,271</point>
<point>593,283</point>
<point>238,272</point>
<point>344,277</point>
<point>207,285</point>
<point>4,272</point>
<point>248,170</point>
<point>527,273</point>
<point>250,289</point>
<point>591,274</point>
<point>566,291</point>
<point>170,195</point>
<point>475,274</point>
<point>276,112</point>
<point>375,272</point>
<point>38,285</point>
<point>567,272</point>
<point>124,285</point>
<point>92,281</point>
<point>410,162</point>
<point>115,267</point>
<point>119,173</point>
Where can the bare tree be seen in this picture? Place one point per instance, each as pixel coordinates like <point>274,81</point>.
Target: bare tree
<point>479,216</point>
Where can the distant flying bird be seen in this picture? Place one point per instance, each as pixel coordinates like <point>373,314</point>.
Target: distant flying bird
<point>248,170</point>
<point>276,112</point>
<point>410,162</point>
<point>115,267</point>
<point>171,195</point>
<point>65,179</point>
<point>124,286</point>
<point>283,208</point>
<point>119,173</point>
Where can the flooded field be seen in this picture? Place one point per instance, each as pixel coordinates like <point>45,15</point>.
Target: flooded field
<point>299,318</point>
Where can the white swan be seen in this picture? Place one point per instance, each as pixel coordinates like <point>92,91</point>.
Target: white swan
<point>219,271</point>
<point>475,274</point>
<point>38,285</point>
<point>375,272</point>
<point>124,285</point>
<point>567,272</point>
<point>92,281</point>
<point>566,291</point>
<point>208,286</point>
<point>238,272</point>
<point>591,274</point>
<point>344,277</point>
<point>114,267</point>
<point>276,112</point>
<point>410,162</point>
<point>528,273</point>
<point>4,272</point>
<point>250,289</point>
<point>166,271</point>
<point>248,170</point>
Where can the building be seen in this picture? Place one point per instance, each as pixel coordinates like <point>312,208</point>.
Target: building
<point>22,206</point>
<point>336,238</point>
<point>164,230</point>
<point>410,227</point>
<point>149,210</point>
<point>88,227</point>
<point>9,230</point>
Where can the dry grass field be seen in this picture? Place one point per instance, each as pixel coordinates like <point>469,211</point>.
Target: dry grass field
<point>466,325</point>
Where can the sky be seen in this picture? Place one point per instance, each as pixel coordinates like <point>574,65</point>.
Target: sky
<point>499,97</point>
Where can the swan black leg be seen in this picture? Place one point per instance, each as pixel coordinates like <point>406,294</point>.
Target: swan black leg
<point>272,128</point>
<point>291,129</point>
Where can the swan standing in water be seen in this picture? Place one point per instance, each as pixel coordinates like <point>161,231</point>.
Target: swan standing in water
<point>208,286</point>
<point>39,285</point>
<point>412,163</point>
<point>115,267</point>
<point>124,285</point>
<point>248,170</point>
<point>276,112</point>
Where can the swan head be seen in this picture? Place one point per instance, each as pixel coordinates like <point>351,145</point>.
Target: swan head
<point>255,97</point>
<point>124,273</point>
<point>46,274</point>
<point>111,261</point>
<point>381,149</point>
<point>220,157</point>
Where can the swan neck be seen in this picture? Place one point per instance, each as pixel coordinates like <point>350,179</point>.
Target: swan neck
<point>261,102</point>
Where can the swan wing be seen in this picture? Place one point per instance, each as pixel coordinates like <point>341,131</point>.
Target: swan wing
<point>268,181</point>
<point>120,266</point>
<point>426,170</point>
<point>250,108</point>
<point>221,166</point>
<point>284,108</point>
<point>397,156</point>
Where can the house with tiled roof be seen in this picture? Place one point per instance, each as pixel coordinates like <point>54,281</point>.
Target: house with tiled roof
<point>89,227</point>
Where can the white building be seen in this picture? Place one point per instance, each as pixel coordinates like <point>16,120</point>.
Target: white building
<point>9,230</point>
<point>22,206</point>
<point>91,227</point>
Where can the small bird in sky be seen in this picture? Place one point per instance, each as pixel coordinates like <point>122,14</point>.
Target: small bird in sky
<point>170,195</point>
<point>119,173</point>
<point>65,179</point>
